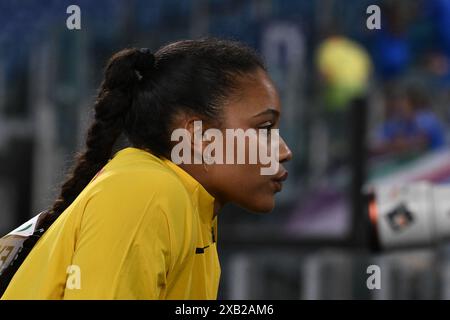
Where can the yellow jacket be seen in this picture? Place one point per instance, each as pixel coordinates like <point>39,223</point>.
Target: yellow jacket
<point>143,228</point>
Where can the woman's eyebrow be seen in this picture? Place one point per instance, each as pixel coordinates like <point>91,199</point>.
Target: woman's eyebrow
<point>271,111</point>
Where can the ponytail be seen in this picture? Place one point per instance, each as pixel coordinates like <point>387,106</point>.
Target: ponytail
<point>123,75</point>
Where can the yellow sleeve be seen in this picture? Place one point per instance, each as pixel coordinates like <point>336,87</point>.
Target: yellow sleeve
<point>123,250</point>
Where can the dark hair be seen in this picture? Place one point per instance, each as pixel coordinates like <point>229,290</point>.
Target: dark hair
<point>141,92</point>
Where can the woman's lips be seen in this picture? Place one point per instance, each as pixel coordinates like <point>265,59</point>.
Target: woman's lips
<point>278,180</point>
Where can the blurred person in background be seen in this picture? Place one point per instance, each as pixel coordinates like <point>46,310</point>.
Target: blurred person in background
<point>437,57</point>
<point>410,125</point>
<point>391,45</point>
<point>344,67</point>
<point>135,224</point>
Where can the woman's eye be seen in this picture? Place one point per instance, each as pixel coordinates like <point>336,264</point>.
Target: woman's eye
<point>266,125</point>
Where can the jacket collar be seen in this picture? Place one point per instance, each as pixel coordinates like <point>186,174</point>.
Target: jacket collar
<point>202,198</point>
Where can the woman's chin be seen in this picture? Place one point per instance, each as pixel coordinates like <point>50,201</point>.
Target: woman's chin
<point>261,206</point>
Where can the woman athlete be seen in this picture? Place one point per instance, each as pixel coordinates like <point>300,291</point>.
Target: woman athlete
<point>133,224</point>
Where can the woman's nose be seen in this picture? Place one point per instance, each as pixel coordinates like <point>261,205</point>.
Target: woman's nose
<point>285,152</point>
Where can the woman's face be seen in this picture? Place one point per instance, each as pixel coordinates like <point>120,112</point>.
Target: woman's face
<point>257,106</point>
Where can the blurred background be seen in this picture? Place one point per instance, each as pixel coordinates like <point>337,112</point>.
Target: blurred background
<point>360,107</point>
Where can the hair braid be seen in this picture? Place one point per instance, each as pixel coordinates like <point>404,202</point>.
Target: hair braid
<point>112,103</point>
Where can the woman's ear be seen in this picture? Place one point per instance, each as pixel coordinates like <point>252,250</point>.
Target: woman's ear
<point>203,138</point>
<point>193,127</point>
<point>196,132</point>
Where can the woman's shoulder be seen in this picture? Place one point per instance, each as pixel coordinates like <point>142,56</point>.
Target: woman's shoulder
<point>133,169</point>
<point>138,187</point>
<point>135,195</point>
<point>138,174</point>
